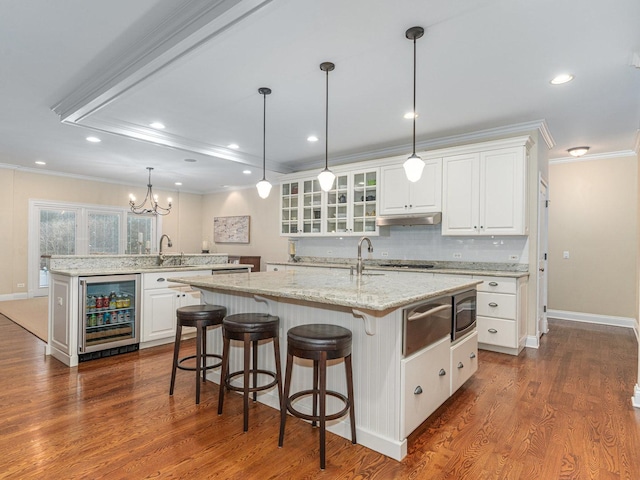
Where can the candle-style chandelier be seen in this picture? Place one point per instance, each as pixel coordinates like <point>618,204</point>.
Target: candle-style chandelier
<point>152,199</point>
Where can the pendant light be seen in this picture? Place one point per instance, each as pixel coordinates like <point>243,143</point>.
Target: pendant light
<point>414,165</point>
<point>263,186</point>
<point>153,207</point>
<point>326,177</point>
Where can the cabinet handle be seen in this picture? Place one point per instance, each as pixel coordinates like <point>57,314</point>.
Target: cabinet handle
<point>493,330</point>
<point>493,284</point>
<point>275,269</point>
<point>442,373</point>
<point>493,304</point>
<point>418,390</point>
<point>473,355</point>
<point>160,279</point>
<point>460,365</point>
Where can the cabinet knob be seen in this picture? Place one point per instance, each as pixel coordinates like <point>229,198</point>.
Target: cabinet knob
<point>442,373</point>
<point>493,284</point>
<point>493,330</point>
<point>493,304</point>
<point>460,365</point>
<point>160,279</point>
<point>275,269</point>
<point>418,390</point>
<point>472,355</point>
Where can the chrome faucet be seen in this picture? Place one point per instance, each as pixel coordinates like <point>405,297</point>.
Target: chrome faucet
<point>359,266</point>
<point>160,254</point>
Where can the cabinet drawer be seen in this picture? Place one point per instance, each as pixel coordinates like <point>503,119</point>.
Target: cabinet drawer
<point>425,383</point>
<point>499,305</point>
<point>464,361</point>
<point>159,279</point>
<point>496,284</point>
<point>496,331</point>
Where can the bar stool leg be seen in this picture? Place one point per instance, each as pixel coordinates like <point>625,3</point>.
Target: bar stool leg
<point>276,352</point>
<point>323,407</point>
<point>352,413</point>
<point>198,361</point>
<point>255,369</point>
<point>176,350</point>
<point>204,352</point>
<point>315,390</point>
<point>223,371</point>
<point>285,397</point>
<point>245,392</point>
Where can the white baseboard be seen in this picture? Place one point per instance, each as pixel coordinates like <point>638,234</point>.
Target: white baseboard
<point>593,318</point>
<point>635,400</point>
<point>532,341</point>
<point>14,296</point>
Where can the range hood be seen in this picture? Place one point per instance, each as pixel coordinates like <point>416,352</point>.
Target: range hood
<point>417,219</point>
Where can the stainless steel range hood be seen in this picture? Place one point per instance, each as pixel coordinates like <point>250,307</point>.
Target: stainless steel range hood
<point>417,219</point>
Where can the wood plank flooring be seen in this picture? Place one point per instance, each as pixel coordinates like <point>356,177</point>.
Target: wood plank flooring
<point>560,412</point>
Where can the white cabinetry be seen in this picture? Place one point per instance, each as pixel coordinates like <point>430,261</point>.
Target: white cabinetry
<point>485,193</point>
<point>161,299</point>
<point>501,314</point>
<point>464,360</point>
<point>400,196</point>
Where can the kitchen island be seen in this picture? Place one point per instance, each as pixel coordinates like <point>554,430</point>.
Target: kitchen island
<point>388,402</point>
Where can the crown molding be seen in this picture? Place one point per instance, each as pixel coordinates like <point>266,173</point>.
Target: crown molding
<point>186,29</point>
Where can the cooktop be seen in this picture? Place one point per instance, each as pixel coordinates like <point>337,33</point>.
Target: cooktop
<point>404,265</point>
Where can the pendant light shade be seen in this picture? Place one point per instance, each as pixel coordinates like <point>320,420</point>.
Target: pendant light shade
<point>414,165</point>
<point>326,177</point>
<point>263,186</point>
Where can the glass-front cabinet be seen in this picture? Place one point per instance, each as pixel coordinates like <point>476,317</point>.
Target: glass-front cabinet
<point>289,208</point>
<point>349,208</point>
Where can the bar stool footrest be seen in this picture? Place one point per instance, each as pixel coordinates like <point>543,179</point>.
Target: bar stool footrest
<point>207,367</point>
<point>259,388</point>
<point>316,418</point>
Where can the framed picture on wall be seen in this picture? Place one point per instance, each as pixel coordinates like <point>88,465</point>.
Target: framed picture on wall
<point>231,229</point>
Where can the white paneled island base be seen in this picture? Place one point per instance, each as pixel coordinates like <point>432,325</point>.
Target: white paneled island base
<point>371,307</point>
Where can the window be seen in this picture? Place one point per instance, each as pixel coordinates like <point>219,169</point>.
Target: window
<point>76,229</point>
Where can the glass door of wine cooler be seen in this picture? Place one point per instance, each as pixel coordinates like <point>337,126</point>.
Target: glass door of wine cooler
<point>110,308</point>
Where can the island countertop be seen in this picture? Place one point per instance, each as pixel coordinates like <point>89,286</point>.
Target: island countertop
<point>370,292</point>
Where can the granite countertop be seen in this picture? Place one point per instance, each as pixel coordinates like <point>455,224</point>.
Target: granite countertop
<point>454,268</point>
<point>114,270</point>
<point>370,292</point>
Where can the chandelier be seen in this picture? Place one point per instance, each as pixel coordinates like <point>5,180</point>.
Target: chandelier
<point>153,206</point>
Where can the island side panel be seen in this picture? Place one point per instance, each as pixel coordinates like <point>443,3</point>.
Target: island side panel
<point>376,364</point>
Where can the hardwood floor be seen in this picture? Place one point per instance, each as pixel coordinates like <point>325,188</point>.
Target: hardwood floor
<point>560,412</point>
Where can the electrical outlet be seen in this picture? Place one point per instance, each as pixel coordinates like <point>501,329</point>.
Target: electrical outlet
<point>514,257</point>
<point>21,285</point>
<point>384,254</point>
<point>565,255</point>
<point>457,255</point>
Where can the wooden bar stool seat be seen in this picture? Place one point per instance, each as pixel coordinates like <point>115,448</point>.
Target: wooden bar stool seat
<point>249,328</point>
<point>201,317</point>
<point>318,342</point>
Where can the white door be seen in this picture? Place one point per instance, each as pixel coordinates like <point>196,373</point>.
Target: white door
<point>543,221</point>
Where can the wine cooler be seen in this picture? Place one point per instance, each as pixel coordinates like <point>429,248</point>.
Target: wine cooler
<point>110,307</point>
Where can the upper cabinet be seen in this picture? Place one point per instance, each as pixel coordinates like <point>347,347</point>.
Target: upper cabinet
<point>400,196</point>
<point>485,193</point>
<point>349,208</point>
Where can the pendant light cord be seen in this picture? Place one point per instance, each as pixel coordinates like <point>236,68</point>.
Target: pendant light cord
<point>264,137</point>
<point>326,126</point>
<point>414,95</point>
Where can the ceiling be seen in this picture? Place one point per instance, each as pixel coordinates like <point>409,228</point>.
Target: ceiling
<point>72,68</point>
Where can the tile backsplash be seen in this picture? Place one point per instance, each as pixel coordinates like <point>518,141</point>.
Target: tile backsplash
<point>420,242</point>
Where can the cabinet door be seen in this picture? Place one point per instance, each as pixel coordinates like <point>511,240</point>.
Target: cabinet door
<point>394,195</point>
<point>461,183</point>
<point>503,192</point>
<point>426,193</point>
<point>364,189</point>
<point>159,318</point>
<point>289,208</point>
<point>464,361</point>
<point>311,207</point>
<point>337,208</point>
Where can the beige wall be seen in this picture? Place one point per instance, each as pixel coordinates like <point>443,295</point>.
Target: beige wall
<point>17,187</point>
<point>593,215</point>
<point>264,236</point>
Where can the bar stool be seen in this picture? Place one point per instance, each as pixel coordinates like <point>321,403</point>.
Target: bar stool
<point>200,317</point>
<point>249,328</point>
<point>318,342</point>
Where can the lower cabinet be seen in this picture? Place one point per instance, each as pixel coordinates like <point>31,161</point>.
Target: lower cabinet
<point>429,377</point>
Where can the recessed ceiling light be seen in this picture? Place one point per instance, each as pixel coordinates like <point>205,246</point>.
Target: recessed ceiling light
<point>190,160</point>
<point>247,172</point>
<point>158,125</point>
<point>312,138</point>
<point>178,184</point>
<point>562,78</point>
<point>410,115</point>
<point>578,151</point>
<point>93,139</point>
<point>235,146</point>
<point>40,162</point>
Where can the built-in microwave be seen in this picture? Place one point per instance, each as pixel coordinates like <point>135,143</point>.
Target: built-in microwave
<point>464,314</point>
